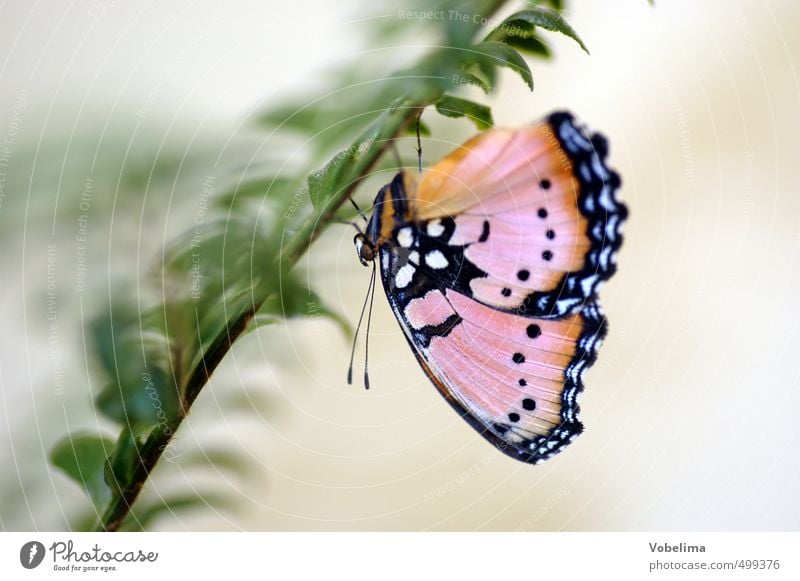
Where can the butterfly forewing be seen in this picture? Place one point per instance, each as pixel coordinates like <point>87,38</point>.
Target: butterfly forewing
<point>535,213</point>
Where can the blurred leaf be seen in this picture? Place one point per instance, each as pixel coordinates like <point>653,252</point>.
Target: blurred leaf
<point>219,459</point>
<point>544,18</point>
<point>339,172</point>
<point>557,4</point>
<point>143,516</point>
<point>424,130</point>
<point>135,355</point>
<point>479,69</point>
<point>257,190</point>
<point>293,300</point>
<point>82,458</point>
<point>325,183</point>
<point>475,80</point>
<point>332,118</point>
<point>507,56</point>
<point>450,106</point>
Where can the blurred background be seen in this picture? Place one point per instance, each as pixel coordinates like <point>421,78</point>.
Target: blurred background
<point>113,116</point>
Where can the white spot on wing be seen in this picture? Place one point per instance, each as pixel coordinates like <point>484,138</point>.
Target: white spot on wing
<point>405,237</point>
<point>404,276</point>
<point>435,259</point>
<point>435,228</point>
<point>588,284</point>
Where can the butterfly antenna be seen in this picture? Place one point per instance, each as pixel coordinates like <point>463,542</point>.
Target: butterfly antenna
<point>348,223</point>
<point>358,327</point>
<point>419,145</point>
<point>360,211</point>
<point>369,321</point>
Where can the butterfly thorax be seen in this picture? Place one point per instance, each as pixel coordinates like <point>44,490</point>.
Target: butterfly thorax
<point>392,208</point>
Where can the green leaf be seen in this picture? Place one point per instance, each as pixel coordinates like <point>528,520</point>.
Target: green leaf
<point>83,457</point>
<point>135,355</point>
<point>256,190</point>
<point>325,183</point>
<point>293,300</point>
<point>506,56</point>
<point>521,35</point>
<point>340,171</point>
<point>424,130</point>
<point>557,4</point>
<point>470,79</point>
<point>548,19</point>
<point>529,44</point>
<point>450,106</point>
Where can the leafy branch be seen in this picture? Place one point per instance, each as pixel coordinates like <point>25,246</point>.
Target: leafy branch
<point>225,278</point>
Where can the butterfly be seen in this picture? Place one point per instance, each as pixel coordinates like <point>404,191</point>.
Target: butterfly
<point>491,261</point>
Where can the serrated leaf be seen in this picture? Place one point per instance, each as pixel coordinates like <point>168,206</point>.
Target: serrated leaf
<point>83,457</point>
<point>529,44</point>
<point>506,56</point>
<point>483,68</point>
<point>521,35</point>
<point>548,19</point>
<point>450,106</point>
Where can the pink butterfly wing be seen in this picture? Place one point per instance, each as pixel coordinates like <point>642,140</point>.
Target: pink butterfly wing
<point>513,379</point>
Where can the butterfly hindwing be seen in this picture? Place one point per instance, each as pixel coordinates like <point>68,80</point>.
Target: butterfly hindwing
<point>514,379</point>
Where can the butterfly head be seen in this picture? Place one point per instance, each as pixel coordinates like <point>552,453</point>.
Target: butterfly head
<point>364,248</point>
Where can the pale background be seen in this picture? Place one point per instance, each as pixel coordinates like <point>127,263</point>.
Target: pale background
<point>691,410</point>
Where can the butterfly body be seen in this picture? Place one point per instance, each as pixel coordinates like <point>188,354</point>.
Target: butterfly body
<point>491,263</point>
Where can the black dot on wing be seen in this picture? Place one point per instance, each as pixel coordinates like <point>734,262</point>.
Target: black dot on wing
<point>485,232</point>
<point>518,358</point>
<point>501,429</point>
<point>506,292</point>
<point>514,417</point>
<point>545,184</point>
<point>550,234</point>
<point>547,255</point>
<point>523,274</point>
<point>534,331</point>
<point>542,213</point>
<point>523,383</point>
<point>529,404</point>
